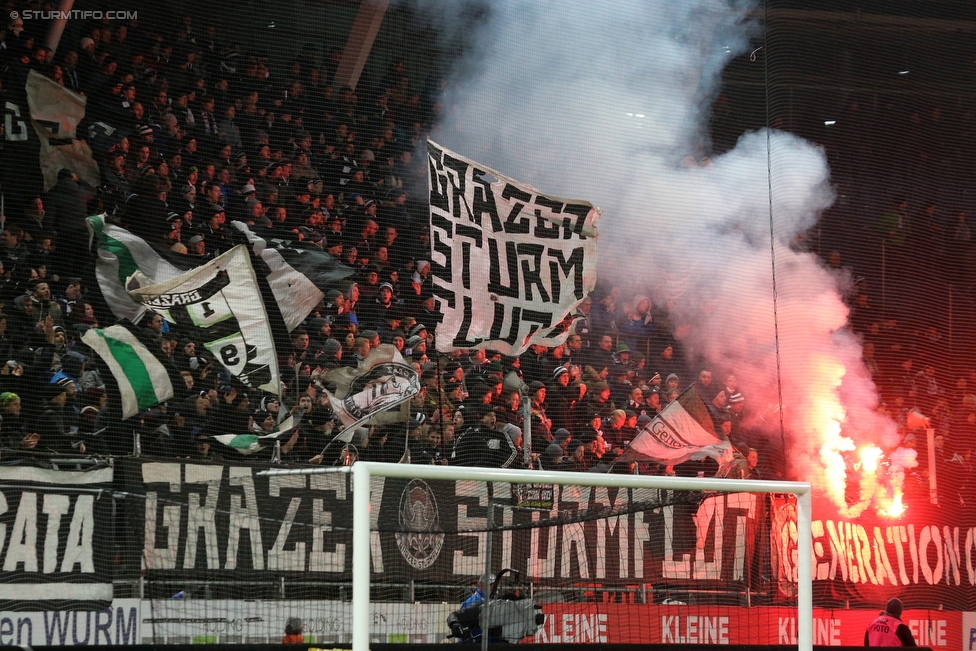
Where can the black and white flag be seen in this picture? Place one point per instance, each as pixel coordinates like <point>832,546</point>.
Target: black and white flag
<point>509,263</point>
<point>218,304</point>
<point>368,393</point>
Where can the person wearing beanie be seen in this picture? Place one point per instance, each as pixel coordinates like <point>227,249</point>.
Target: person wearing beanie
<point>552,456</point>
<point>293,631</point>
<point>653,401</point>
<point>335,302</point>
<point>416,344</point>
<point>888,629</point>
<point>562,398</point>
<point>13,433</point>
<point>514,433</point>
<point>331,354</point>
<point>50,426</point>
<point>575,460</point>
<point>598,399</point>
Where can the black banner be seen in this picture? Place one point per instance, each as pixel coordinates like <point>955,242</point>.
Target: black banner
<point>223,521</point>
<point>56,532</point>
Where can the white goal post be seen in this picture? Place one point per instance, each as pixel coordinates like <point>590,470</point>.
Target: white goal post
<point>362,472</point>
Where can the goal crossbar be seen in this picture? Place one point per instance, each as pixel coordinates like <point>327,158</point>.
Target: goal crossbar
<point>362,472</point>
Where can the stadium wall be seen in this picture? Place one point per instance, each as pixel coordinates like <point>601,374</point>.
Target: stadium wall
<point>133,622</point>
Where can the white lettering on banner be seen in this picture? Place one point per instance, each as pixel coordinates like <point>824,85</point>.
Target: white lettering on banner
<point>54,507</point>
<point>244,515</point>
<point>970,556</point>
<point>202,517</point>
<point>694,629</point>
<point>116,625</point>
<point>578,628</point>
<point>155,558</point>
<point>573,534</point>
<point>201,488</point>
<point>710,533</point>
<point>78,551</point>
<point>467,564</point>
<point>744,502</point>
<point>614,527</point>
<point>375,546</point>
<point>320,560</point>
<point>642,535</point>
<point>709,570</point>
<point>278,557</point>
<point>928,632</point>
<point>826,631</point>
<point>898,554</point>
<point>22,549</point>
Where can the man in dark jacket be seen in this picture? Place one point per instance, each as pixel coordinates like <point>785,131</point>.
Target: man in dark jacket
<point>67,203</point>
<point>50,426</point>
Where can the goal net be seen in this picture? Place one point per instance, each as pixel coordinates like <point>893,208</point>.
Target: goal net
<point>245,554</point>
<point>570,558</point>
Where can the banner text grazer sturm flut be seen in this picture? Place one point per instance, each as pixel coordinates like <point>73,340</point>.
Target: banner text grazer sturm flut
<point>56,542</point>
<point>509,263</point>
<point>226,521</point>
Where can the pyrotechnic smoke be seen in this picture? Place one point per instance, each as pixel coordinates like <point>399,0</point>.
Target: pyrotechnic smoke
<point>609,103</point>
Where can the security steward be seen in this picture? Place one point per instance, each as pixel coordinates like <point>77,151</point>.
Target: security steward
<point>888,629</point>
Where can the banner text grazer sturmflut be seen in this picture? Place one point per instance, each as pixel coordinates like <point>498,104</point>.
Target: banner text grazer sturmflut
<point>509,263</point>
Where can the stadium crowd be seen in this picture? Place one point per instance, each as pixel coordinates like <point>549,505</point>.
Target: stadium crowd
<point>191,131</point>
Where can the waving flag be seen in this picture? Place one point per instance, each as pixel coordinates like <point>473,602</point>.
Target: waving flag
<point>120,255</point>
<point>369,393</point>
<point>682,431</point>
<point>55,113</point>
<point>297,276</point>
<point>136,364</point>
<point>219,306</point>
<point>509,264</point>
<point>251,443</point>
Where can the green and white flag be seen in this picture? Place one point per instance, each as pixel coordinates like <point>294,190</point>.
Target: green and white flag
<point>682,431</point>
<point>142,378</point>
<point>120,256</point>
<point>251,443</point>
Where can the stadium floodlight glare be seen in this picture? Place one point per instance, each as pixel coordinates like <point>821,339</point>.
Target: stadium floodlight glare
<point>362,472</point>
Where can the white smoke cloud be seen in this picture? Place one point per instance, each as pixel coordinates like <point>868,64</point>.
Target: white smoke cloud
<point>605,102</point>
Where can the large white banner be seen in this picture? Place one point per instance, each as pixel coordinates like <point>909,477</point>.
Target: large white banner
<point>55,113</point>
<point>509,263</point>
<point>219,304</point>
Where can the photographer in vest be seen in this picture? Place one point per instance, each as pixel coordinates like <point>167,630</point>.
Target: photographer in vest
<point>888,629</point>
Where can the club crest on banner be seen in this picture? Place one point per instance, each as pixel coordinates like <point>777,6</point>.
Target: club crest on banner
<point>420,538</point>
